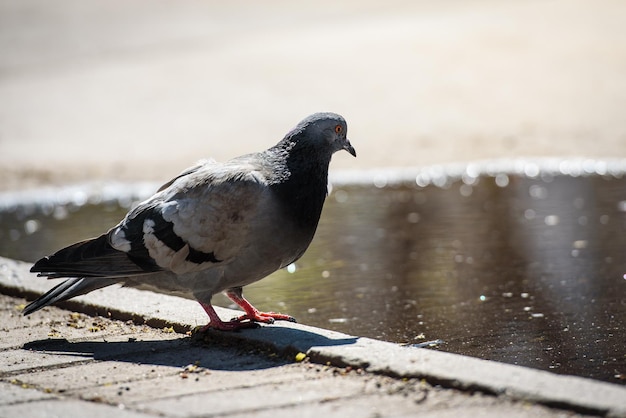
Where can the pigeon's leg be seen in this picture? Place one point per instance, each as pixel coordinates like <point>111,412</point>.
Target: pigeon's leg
<point>216,323</point>
<point>252,313</point>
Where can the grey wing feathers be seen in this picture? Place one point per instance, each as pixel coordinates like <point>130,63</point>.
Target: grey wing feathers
<point>199,219</point>
<point>186,172</point>
<point>91,258</point>
<point>93,264</point>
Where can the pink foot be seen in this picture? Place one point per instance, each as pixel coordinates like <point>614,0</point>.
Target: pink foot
<point>253,314</point>
<point>265,317</point>
<point>228,326</point>
<point>216,323</point>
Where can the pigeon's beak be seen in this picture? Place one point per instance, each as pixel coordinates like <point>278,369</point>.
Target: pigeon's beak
<point>348,147</point>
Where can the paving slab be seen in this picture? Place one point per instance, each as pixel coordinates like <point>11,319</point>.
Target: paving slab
<point>311,391</point>
<point>179,382</point>
<point>16,393</point>
<point>155,371</point>
<point>68,408</point>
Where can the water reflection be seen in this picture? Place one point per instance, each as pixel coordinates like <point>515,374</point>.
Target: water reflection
<point>525,269</point>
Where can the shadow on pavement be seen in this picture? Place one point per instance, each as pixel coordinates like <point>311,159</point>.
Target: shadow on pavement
<point>271,347</point>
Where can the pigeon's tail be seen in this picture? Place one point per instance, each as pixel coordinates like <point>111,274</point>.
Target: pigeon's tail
<point>91,258</point>
<point>92,264</point>
<point>67,290</point>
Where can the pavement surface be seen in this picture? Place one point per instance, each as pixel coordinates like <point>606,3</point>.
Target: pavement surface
<point>132,353</point>
<point>72,365</point>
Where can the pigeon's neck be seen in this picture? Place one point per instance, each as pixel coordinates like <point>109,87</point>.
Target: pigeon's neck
<point>304,186</point>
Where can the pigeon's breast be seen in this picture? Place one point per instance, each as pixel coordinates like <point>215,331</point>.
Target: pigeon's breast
<point>274,241</point>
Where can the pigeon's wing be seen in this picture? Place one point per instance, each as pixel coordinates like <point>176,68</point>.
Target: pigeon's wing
<point>200,220</point>
<point>187,172</point>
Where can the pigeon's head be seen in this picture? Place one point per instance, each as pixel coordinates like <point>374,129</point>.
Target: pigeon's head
<point>325,131</point>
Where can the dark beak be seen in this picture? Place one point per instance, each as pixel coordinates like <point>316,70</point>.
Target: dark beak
<point>348,147</point>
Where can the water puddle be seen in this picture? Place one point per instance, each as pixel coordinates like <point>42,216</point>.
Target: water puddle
<point>525,267</point>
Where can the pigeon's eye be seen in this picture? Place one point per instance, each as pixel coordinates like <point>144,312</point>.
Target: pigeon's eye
<point>338,129</point>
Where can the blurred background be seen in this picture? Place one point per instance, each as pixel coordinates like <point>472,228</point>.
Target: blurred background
<point>141,89</point>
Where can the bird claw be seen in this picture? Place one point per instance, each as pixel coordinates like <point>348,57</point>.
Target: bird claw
<point>253,314</point>
<point>264,317</point>
<point>245,317</point>
<point>229,326</point>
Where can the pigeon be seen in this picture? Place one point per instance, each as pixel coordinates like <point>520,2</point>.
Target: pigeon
<point>216,227</point>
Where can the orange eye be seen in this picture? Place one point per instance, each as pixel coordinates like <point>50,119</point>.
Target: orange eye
<point>338,129</point>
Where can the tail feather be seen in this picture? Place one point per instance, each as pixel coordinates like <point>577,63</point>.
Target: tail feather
<point>90,258</point>
<point>91,264</point>
<point>67,290</point>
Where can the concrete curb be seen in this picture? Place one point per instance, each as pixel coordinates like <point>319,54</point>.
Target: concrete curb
<point>324,346</point>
